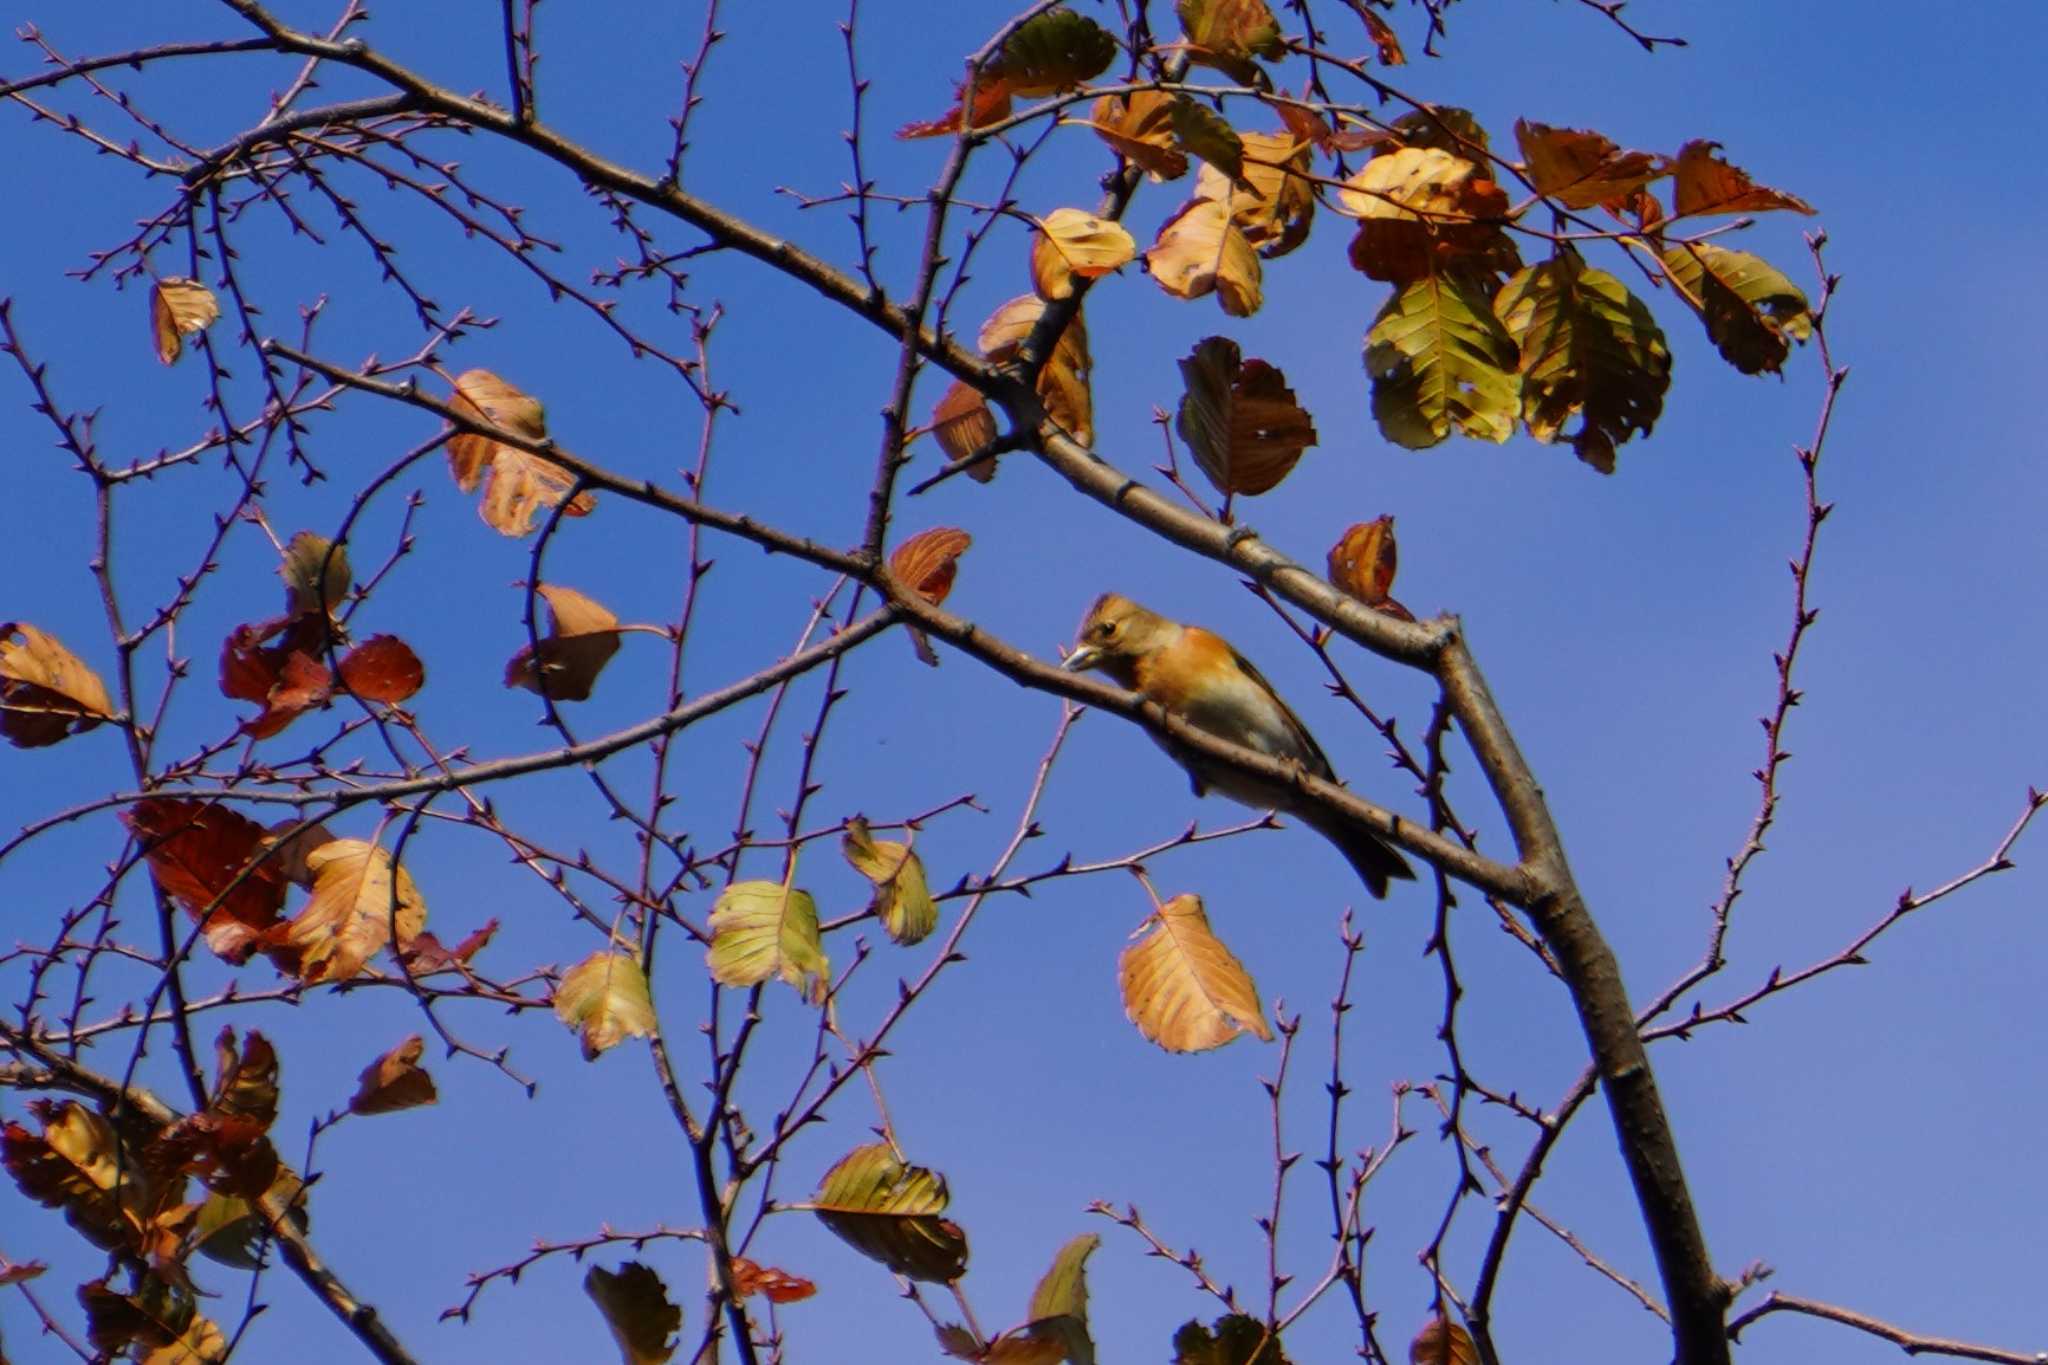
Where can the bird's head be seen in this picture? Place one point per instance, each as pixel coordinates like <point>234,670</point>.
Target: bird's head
<point>1115,633</point>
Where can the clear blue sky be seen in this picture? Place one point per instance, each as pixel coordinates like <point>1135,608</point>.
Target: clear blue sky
<point>1869,1135</point>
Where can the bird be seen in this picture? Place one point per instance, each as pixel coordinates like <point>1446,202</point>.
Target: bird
<point>1196,675</point>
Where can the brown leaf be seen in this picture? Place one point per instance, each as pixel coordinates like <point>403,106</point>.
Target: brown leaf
<point>20,1272</point>
<point>1707,184</point>
<point>1363,560</point>
<point>991,105</point>
<point>927,562</point>
<point>46,693</point>
<point>359,899</point>
<point>195,851</point>
<point>1227,34</point>
<point>779,1286</point>
<point>1580,168</point>
<point>287,677</point>
<point>395,1081</point>
<point>582,637</point>
<point>77,1164</point>
<point>1271,203</point>
<point>963,425</point>
<point>159,1325</point>
<point>426,954</point>
<point>1073,243</point>
<point>178,307</point>
<point>1200,251</point>
<point>1384,40</point>
<point>1239,418</point>
<point>1063,383</point>
<point>1441,1342</point>
<point>888,1211</point>
<point>382,668</point>
<point>636,1307</point>
<point>519,484</point>
<point>1425,211</point>
<point>1139,126</point>
<point>1183,989</point>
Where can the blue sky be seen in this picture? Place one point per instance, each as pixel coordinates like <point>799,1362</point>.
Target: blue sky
<point>1861,1134</point>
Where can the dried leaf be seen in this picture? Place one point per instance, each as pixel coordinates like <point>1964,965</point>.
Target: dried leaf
<point>1445,127</point>
<point>1752,312</point>
<point>1580,168</point>
<point>636,1307</point>
<point>229,1229</point>
<point>964,427</point>
<point>1707,184</point>
<point>1199,250</point>
<point>316,575</point>
<point>46,693</point>
<point>1239,418</point>
<point>605,999</point>
<point>395,1081</point>
<point>1063,383</point>
<point>383,668</point>
<point>177,308</point>
<point>766,929</point>
<point>225,1144</point>
<point>890,1211</point>
<point>159,1326</point>
<point>582,637</point>
<point>287,677</point>
<point>1183,989</point>
<point>1363,560</point>
<point>359,902</point>
<point>1424,211</point>
<point>928,561</point>
<point>991,105</point>
<point>76,1164</point>
<point>195,852</point>
<point>1441,1342</point>
<point>20,1272</point>
<point>1139,127</point>
<point>1384,41</point>
<point>517,484</point>
<point>1237,1339</point>
<point>426,954</point>
<point>1440,360</point>
<point>1227,34</point>
<point>902,900</point>
<point>1074,242</point>
<point>1055,51</point>
<point>777,1286</point>
<point>1271,203</point>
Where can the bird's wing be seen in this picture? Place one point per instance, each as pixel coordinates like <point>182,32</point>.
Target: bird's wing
<point>1319,763</point>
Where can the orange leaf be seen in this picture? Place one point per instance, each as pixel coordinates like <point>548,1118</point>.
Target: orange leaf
<point>46,691</point>
<point>1139,126</point>
<point>1363,560</point>
<point>1441,1342</point>
<point>1383,39</point>
<point>1580,168</point>
<point>582,637</point>
<point>778,1285</point>
<point>927,562</point>
<point>963,425</point>
<point>991,105</point>
<point>194,852</point>
<point>1200,251</point>
<point>1073,242</point>
<point>425,953</point>
<point>382,668</point>
<point>520,483</point>
<point>394,1081</point>
<point>1707,184</point>
<point>1425,210</point>
<point>176,307</point>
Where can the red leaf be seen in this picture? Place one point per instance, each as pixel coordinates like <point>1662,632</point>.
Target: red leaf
<point>779,1286</point>
<point>195,851</point>
<point>383,668</point>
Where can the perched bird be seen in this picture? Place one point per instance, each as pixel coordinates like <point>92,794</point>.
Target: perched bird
<point>1195,674</point>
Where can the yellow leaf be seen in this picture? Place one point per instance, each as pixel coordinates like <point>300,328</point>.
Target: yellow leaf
<point>520,484</point>
<point>1424,209</point>
<point>1363,560</point>
<point>1139,126</point>
<point>1441,1342</point>
<point>46,693</point>
<point>605,998</point>
<point>178,307</point>
<point>356,904</point>
<point>1271,203</point>
<point>1184,989</point>
<point>636,1307</point>
<point>1063,383</point>
<point>1074,242</point>
<point>763,929</point>
<point>582,637</point>
<point>1200,251</point>
<point>888,1210</point>
<point>902,900</point>
<point>316,574</point>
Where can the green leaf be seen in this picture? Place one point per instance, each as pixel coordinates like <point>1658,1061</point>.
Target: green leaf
<point>1439,360</point>
<point>890,1211</point>
<point>764,929</point>
<point>902,900</point>
<point>1750,309</point>
<point>1589,348</point>
<point>636,1307</point>
<point>605,999</point>
<point>1054,51</point>
<point>1204,133</point>
<point>1236,1340</point>
<point>1059,1306</point>
<point>229,1230</point>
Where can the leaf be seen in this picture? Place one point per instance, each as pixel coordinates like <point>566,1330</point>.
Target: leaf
<point>1055,51</point>
<point>1270,203</point>
<point>359,899</point>
<point>382,668</point>
<point>1202,132</point>
<point>582,637</point>
<point>777,1286</point>
<point>1239,418</point>
<point>1199,251</point>
<point>395,1081</point>
<point>1139,127</point>
<point>1227,34</point>
<point>1750,309</point>
<point>1184,989</point>
<point>177,308</point>
<point>1439,360</point>
<point>427,955</point>
<point>636,1307</point>
<point>991,105</point>
<point>1384,41</point>
<point>1424,211</point>
<point>605,999</point>
<point>1059,1305</point>
<point>1580,168</point>
<point>46,693</point>
<point>195,851</point>
<point>888,1211</point>
<point>1074,243</point>
<point>1707,185</point>
<point>902,900</point>
<point>1444,127</point>
<point>230,1230</point>
<point>761,929</point>
<point>21,1272</point>
<point>76,1164</point>
<point>517,484</point>
<point>1363,560</point>
<point>225,1144</point>
<point>1236,1340</point>
<point>964,427</point>
<point>316,575</point>
<point>1590,349</point>
<point>245,1084</point>
<point>1063,383</point>
<point>1441,1342</point>
<point>159,1325</point>
<point>928,561</point>
<point>288,677</point>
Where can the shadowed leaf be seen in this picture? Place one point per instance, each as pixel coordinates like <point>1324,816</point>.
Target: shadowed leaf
<point>1227,34</point>
<point>1139,126</point>
<point>582,637</point>
<point>46,692</point>
<point>1424,211</point>
<point>1441,1342</point>
<point>1751,311</point>
<point>1363,560</point>
<point>1235,1339</point>
<point>1240,419</point>
<point>316,575</point>
<point>636,1307</point>
<point>1270,202</point>
<point>1054,51</point>
<point>195,852</point>
<point>890,1212</point>
<point>395,1081</point>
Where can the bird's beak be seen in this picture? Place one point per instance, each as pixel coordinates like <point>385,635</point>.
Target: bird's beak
<point>1082,659</point>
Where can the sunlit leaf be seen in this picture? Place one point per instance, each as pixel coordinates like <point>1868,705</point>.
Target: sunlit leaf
<point>1139,126</point>
<point>1424,211</point>
<point>1386,44</point>
<point>777,1286</point>
<point>1752,312</point>
<point>1200,251</point>
<point>1707,184</point>
<point>890,1211</point>
<point>316,574</point>
<point>1059,1305</point>
<point>1363,561</point>
<point>195,852</point>
<point>177,308</point>
<point>1271,203</point>
<point>765,929</point>
<point>382,668</point>
<point>1440,361</point>
<point>991,105</point>
<point>1073,243</point>
<point>1580,168</point>
<point>605,999</point>
<point>1063,383</point>
<point>359,899</point>
<point>1441,1342</point>
<point>636,1307</point>
<point>1239,418</point>
<point>902,900</point>
<point>46,693</point>
<point>395,1081</point>
<point>928,561</point>
<point>519,485</point>
<point>582,637</point>
<point>1183,989</point>
<point>964,426</point>
<point>1591,350</point>
<point>1054,51</point>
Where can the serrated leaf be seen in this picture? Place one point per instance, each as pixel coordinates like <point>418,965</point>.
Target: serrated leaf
<point>1073,243</point>
<point>636,1308</point>
<point>46,692</point>
<point>605,999</point>
<point>519,484</point>
<point>359,900</point>
<point>1239,418</point>
<point>179,307</point>
<point>1271,202</point>
<point>1054,51</point>
<point>1590,349</point>
<point>1183,989</point>
<point>889,1211</point>
<point>582,637</point>
<point>1751,311</point>
<point>902,900</point>
<point>1580,168</point>
<point>1200,251</point>
<point>1441,1342</point>
<point>1202,132</point>
<point>766,929</point>
<point>1441,361</point>
<point>1139,126</point>
<point>1707,184</point>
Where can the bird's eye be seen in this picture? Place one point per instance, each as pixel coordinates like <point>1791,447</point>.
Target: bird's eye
<point>1106,629</point>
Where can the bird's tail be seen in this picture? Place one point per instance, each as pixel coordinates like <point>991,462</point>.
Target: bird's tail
<point>1375,863</point>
